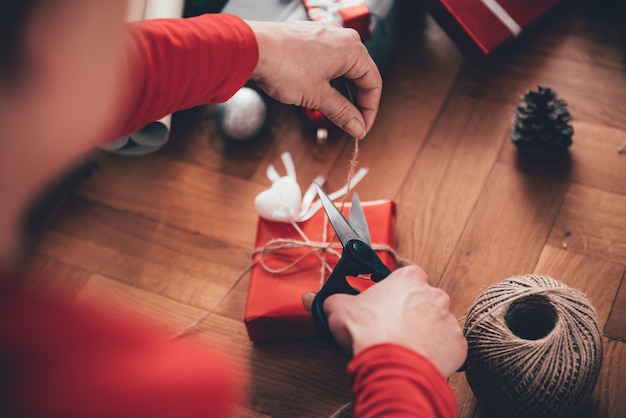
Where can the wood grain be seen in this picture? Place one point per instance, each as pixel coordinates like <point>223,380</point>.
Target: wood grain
<point>433,205</point>
<point>505,234</point>
<point>177,193</point>
<point>594,223</point>
<point>616,325</point>
<point>168,261</point>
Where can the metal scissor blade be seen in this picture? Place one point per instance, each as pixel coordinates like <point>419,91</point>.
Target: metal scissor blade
<point>342,228</point>
<point>357,220</point>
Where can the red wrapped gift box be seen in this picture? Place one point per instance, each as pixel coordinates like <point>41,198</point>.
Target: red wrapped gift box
<point>274,308</point>
<point>481,26</point>
<point>349,13</point>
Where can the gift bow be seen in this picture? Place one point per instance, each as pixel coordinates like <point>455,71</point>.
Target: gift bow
<point>284,202</point>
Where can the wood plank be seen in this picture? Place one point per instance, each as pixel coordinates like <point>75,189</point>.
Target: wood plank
<point>60,281</point>
<point>505,234</point>
<point>507,79</point>
<point>465,399</point>
<point>178,194</point>
<point>584,273</point>
<point>616,325</point>
<point>594,222</point>
<point>208,148</point>
<point>590,32</point>
<point>153,256</point>
<point>593,159</point>
<point>445,181</point>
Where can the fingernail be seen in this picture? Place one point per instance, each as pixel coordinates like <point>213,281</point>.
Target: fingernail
<point>354,128</point>
<point>307,300</point>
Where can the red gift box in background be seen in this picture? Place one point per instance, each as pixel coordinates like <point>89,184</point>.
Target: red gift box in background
<point>349,13</point>
<point>274,308</point>
<point>481,26</point>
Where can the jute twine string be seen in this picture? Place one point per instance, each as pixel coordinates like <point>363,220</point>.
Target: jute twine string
<point>535,348</point>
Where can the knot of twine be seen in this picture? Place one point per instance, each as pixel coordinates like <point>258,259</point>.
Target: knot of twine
<point>321,248</point>
<point>534,348</point>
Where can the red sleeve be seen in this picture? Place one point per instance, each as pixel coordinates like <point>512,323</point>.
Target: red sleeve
<point>176,64</point>
<point>392,381</point>
<point>67,361</point>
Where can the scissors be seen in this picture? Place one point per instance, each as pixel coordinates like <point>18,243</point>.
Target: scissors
<point>357,257</point>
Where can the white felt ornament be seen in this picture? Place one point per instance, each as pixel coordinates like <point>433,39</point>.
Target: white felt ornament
<point>283,201</point>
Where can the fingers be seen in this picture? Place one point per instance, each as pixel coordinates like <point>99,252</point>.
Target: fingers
<point>307,300</point>
<point>333,307</point>
<point>368,82</point>
<point>339,110</point>
<point>403,309</point>
<point>330,303</point>
<point>299,60</point>
<point>408,273</point>
<point>340,315</point>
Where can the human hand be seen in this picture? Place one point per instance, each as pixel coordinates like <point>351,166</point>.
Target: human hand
<point>298,60</point>
<point>402,309</point>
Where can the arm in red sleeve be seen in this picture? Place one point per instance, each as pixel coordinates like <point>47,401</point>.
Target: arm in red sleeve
<point>72,362</point>
<point>176,64</point>
<point>392,381</point>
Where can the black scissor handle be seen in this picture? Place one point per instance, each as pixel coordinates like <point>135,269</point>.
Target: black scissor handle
<point>357,258</point>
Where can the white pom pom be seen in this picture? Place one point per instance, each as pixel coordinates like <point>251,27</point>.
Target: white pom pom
<point>241,117</point>
<point>281,202</point>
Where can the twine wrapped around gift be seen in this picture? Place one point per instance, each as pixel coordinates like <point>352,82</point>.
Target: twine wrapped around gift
<point>292,208</point>
<point>320,248</point>
<point>535,348</point>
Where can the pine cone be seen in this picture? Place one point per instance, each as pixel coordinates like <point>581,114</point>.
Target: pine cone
<point>540,126</point>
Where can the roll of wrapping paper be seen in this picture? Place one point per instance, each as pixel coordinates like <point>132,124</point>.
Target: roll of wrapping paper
<point>154,135</point>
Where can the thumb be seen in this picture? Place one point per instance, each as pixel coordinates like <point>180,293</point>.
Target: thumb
<point>339,110</point>
<point>307,300</point>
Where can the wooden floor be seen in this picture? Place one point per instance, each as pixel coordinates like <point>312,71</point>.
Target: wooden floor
<point>166,235</point>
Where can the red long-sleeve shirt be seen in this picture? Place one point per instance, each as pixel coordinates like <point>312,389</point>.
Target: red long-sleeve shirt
<point>392,381</point>
<point>176,64</point>
<point>60,361</point>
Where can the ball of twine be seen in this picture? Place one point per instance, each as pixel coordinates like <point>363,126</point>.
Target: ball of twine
<point>534,348</point>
